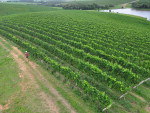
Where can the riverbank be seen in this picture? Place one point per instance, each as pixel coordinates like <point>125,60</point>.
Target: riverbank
<point>141,9</point>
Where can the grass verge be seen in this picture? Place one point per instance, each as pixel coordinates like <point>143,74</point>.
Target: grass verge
<point>9,77</point>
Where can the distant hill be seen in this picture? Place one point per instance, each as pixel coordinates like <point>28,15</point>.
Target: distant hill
<point>8,9</point>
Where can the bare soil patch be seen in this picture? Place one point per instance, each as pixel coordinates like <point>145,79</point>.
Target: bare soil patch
<point>148,108</point>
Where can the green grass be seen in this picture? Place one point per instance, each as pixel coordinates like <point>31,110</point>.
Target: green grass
<point>144,92</point>
<point>8,9</point>
<point>9,77</point>
<point>10,89</point>
<point>131,103</point>
<point>75,101</point>
<point>21,3</point>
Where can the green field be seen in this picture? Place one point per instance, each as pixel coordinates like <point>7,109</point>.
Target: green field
<point>7,9</point>
<point>99,55</point>
<point>8,76</point>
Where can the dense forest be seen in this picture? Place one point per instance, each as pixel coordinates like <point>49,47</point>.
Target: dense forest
<point>141,4</point>
<point>86,6</point>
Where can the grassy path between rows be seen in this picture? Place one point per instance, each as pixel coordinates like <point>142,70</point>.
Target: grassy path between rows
<point>9,78</point>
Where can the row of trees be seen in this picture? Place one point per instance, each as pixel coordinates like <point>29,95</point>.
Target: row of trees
<point>141,4</point>
<point>86,6</point>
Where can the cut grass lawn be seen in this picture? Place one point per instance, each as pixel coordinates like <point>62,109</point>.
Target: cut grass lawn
<point>8,76</point>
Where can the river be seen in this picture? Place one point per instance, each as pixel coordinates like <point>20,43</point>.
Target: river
<point>141,13</point>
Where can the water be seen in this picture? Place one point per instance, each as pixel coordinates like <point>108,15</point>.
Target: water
<point>145,14</point>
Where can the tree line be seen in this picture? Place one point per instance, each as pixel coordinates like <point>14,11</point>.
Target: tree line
<point>141,4</point>
<point>86,6</point>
